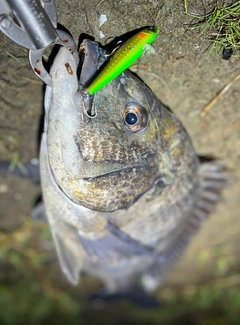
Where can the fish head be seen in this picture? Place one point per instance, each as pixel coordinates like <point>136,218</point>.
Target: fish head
<point>105,151</point>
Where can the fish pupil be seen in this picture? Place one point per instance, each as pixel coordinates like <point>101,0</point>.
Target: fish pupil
<point>131,118</point>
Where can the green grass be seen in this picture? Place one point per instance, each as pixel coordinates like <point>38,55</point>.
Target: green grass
<point>221,26</point>
<point>12,56</point>
<point>16,163</point>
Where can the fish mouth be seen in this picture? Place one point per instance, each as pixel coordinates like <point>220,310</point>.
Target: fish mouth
<point>78,123</point>
<point>91,58</point>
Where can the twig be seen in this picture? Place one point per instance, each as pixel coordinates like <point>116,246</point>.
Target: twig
<point>137,66</point>
<point>98,4</point>
<point>219,95</point>
<point>31,80</point>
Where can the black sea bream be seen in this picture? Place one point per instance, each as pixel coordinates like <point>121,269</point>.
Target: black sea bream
<point>123,188</point>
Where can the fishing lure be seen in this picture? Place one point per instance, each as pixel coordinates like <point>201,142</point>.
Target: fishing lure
<point>128,53</point>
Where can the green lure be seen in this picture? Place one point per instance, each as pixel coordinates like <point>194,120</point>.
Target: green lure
<point>128,53</point>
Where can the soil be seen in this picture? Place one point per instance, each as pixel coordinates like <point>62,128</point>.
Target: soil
<point>184,77</point>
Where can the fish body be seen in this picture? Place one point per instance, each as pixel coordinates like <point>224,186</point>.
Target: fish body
<point>124,191</point>
<point>126,55</point>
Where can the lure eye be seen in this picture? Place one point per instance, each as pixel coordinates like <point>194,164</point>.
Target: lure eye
<point>135,117</point>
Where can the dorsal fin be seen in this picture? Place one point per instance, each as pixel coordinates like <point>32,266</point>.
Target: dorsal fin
<point>213,179</point>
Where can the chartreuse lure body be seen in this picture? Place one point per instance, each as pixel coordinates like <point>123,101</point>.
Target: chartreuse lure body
<point>128,53</point>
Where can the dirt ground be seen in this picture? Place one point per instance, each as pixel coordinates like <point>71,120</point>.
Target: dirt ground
<point>185,78</point>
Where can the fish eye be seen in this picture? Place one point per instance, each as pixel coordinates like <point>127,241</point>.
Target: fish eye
<point>131,118</point>
<point>135,117</point>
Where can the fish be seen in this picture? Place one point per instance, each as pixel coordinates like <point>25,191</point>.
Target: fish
<point>123,188</point>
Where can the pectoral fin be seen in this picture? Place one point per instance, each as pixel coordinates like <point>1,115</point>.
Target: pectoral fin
<point>114,245</point>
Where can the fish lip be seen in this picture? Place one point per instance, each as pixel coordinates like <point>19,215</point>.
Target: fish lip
<point>91,57</point>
